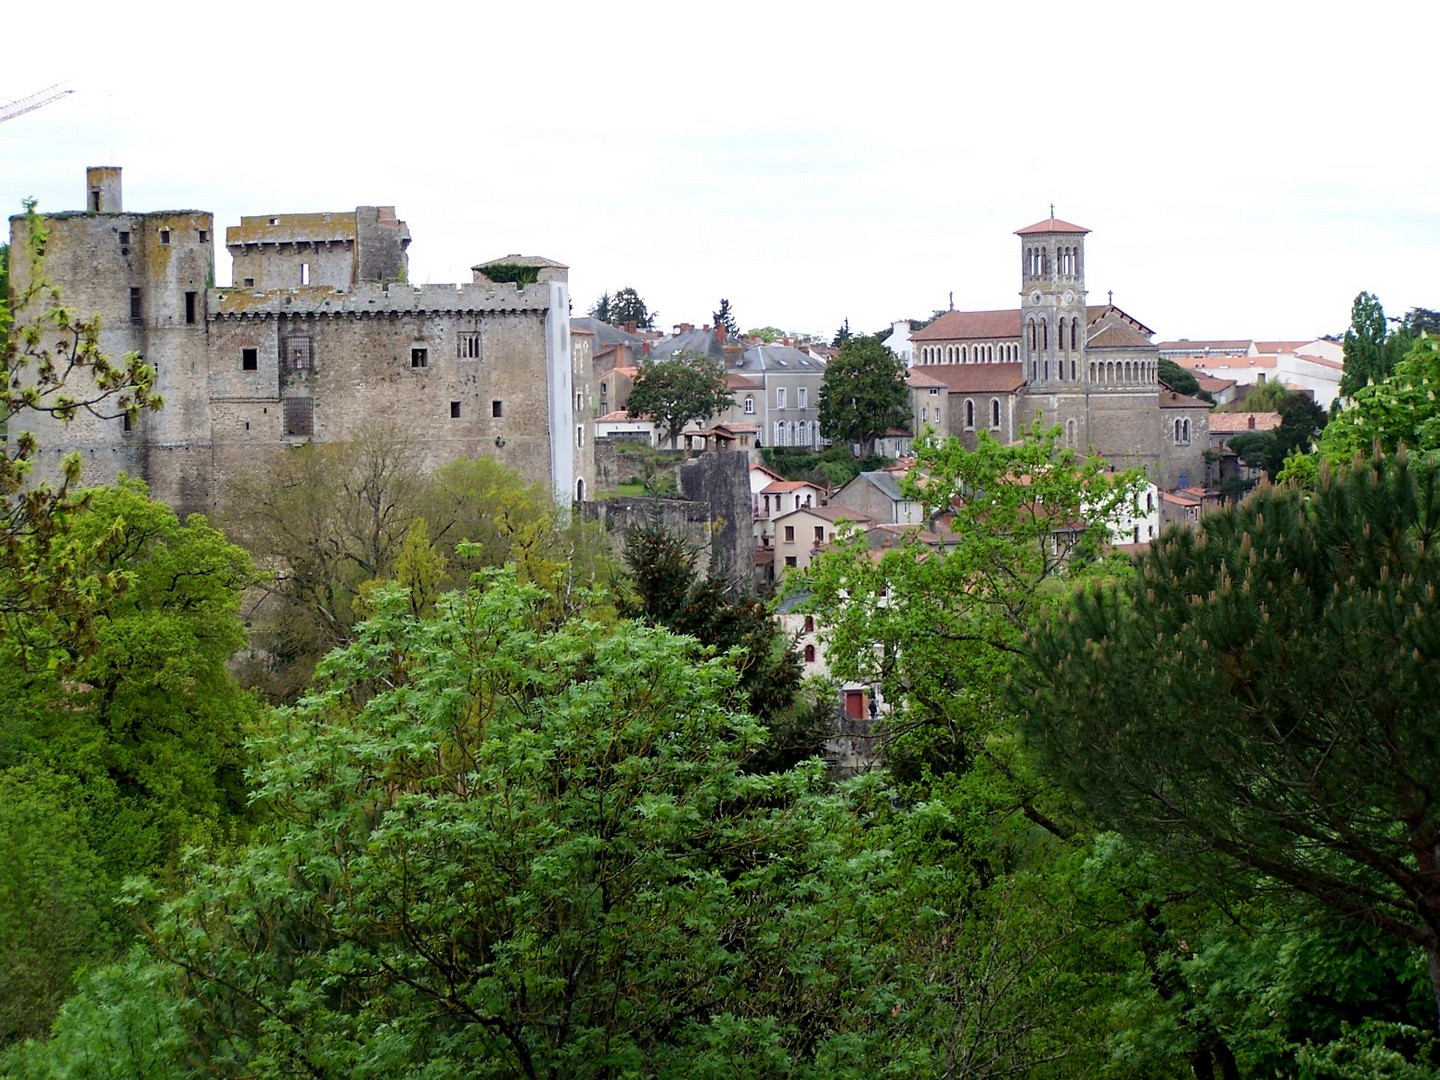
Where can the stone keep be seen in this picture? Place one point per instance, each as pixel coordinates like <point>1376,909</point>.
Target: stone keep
<point>319,339</point>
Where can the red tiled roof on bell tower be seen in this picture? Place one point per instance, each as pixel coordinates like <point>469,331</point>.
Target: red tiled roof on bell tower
<point>1050,225</point>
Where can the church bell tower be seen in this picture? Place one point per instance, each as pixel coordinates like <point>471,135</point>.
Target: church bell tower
<point>1052,305</point>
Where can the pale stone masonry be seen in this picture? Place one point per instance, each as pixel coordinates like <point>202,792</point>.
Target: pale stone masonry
<point>320,339</point>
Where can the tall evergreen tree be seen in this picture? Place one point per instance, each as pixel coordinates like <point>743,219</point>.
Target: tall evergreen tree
<point>1262,696</point>
<point>1371,349</point>
<point>863,394</point>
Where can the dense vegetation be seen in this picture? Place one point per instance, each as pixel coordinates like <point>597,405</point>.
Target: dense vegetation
<point>494,804</point>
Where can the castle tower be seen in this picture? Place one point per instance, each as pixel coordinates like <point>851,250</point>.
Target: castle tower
<point>1052,305</point>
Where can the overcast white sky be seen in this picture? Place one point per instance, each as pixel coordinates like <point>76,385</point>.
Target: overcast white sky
<point>1245,168</point>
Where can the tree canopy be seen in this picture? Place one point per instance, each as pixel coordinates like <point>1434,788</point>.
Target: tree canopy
<point>678,389</point>
<point>1262,694</point>
<point>725,318</point>
<point>863,394</point>
<point>52,365</point>
<point>1301,421</point>
<point>1371,347</point>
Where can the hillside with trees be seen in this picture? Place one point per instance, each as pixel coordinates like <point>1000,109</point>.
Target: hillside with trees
<point>397,772</point>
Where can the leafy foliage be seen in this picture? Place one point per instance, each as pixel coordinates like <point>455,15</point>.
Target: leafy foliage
<point>502,849</point>
<point>1403,408</point>
<point>937,624</point>
<point>1181,381</point>
<point>679,389</point>
<point>1301,421</point>
<point>1371,348</point>
<point>725,318</point>
<point>513,273</point>
<point>1285,724</point>
<point>863,394</point>
<point>627,306</point>
<point>52,366</point>
<point>669,592</point>
<point>602,309</point>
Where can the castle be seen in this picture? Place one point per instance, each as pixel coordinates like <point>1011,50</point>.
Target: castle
<point>1090,370</point>
<point>318,339</point>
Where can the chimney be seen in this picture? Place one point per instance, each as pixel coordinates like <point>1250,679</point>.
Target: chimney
<point>1250,423</point>
<point>720,332</point>
<point>629,326</point>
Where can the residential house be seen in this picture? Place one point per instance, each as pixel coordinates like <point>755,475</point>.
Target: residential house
<point>800,535</point>
<point>878,496</point>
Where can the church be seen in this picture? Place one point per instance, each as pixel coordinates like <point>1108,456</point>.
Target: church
<point>1091,370</point>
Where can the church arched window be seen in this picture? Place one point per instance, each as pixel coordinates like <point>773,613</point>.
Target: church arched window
<point>1032,334</point>
<point>995,412</point>
<point>1074,332</point>
<point>969,413</point>
<point>1044,335</point>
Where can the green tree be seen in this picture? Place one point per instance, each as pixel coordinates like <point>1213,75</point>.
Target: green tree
<point>666,590</point>
<point>1371,348</point>
<point>863,394</point>
<point>52,366</point>
<point>1284,724</point>
<point>725,318</point>
<point>507,849</point>
<point>678,389</point>
<point>842,335</point>
<point>627,306</point>
<point>602,309</point>
<point>767,334</point>
<point>1403,408</point>
<point>1181,381</point>
<point>936,623</point>
<point>1301,421</point>
<point>54,898</point>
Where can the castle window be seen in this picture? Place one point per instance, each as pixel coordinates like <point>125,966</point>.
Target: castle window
<point>124,237</point>
<point>579,434</point>
<point>137,313</point>
<point>809,624</point>
<point>304,273</point>
<point>249,282</point>
<point>164,236</point>
<point>274,221</point>
<point>249,359</point>
<point>204,236</point>
<point>297,352</point>
<point>497,409</point>
<point>126,425</point>
<point>300,416</point>
<point>190,307</point>
<point>468,346</point>
<point>419,358</point>
<point>95,201</point>
<point>454,410</point>
<point>809,654</point>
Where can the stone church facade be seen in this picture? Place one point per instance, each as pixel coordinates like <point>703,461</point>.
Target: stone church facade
<point>320,339</point>
<point>1089,370</point>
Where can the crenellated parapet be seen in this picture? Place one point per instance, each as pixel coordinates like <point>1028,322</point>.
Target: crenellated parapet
<point>373,299</point>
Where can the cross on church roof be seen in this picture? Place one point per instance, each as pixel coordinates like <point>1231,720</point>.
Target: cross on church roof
<point>1052,209</point>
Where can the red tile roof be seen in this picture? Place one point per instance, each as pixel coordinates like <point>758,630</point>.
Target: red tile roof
<point>1169,399</point>
<point>978,378</point>
<point>961,325</point>
<point>1050,225</point>
<point>1222,423</point>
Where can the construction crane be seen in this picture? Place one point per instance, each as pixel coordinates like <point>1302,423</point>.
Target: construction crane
<point>34,101</point>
